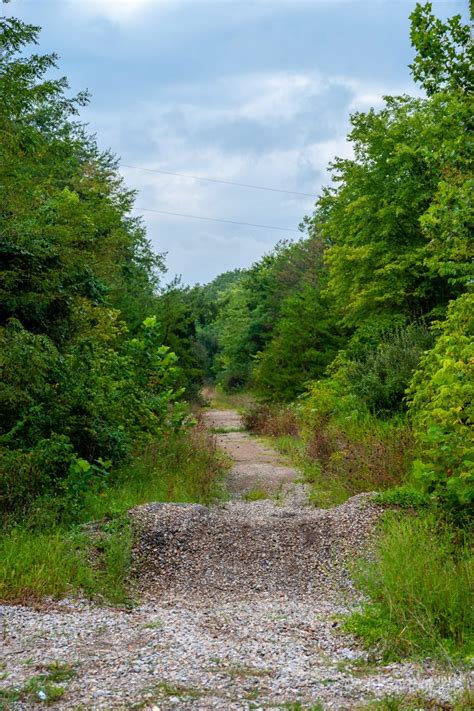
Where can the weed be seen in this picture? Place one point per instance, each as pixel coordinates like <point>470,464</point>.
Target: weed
<point>41,687</point>
<point>411,702</point>
<point>220,400</point>
<point>156,625</point>
<point>358,667</point>
<point>242,671</point>
<point>419,582</point>
<point>300,706</point>
<point>253,694</point>
<point>166,689</point>
<point>256,494</point>
<point>270,420</point>
<point>226,430</point>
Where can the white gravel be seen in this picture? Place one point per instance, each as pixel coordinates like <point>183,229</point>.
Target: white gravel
<point>228,653</point>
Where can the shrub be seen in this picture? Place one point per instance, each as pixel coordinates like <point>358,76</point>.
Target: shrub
<point>270,420</point>
<point>441,397</point>
<point>94,402</point>
<point>353,448</point>
<point>405,497</point>
<point>364,456</point>
<point>379,378</point>
<point>419,583</point>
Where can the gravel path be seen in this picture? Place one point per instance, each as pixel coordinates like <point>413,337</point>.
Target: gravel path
<point>240,609</point>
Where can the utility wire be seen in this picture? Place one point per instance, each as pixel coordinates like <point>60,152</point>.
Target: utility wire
<point>215,180</point>
<point>214,219</point>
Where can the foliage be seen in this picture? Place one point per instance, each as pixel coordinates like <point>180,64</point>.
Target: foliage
<point>272,329</point>
<point>419,582</point>
<point>83,374</point>
<point>45,555</point>
<point>380,376</point>
<point>404,497</point>
<point>441,404</point>
<point>396,219</point>
<point>445,55</point>
<point>304,342</point>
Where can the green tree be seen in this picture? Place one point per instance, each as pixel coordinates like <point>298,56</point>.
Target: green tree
<point>442,407</point>
<point>444,61</point>
<point>77,278</point>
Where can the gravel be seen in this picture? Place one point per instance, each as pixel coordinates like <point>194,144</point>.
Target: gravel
<point>240,609</point>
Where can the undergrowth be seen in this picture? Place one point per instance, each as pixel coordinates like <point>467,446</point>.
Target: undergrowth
<point>338,456</point>
<point>216,397</point>
<point>52,553</point>
<point>419,582</point>
<point>47,687</point>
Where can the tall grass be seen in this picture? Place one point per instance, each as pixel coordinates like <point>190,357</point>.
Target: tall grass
<point>187,469</point>
<point>338,456</point>
<point>419,582</point>
<point>47,554</point>
<point>217,398</point>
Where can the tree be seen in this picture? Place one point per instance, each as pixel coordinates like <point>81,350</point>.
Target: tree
<point>445,54</point>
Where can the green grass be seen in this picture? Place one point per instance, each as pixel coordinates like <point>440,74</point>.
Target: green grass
<point>420,702</point>
<point>324,491</point>
<point>226,430</point>
<point>220,400</point>
<point>44,688</point>
<point>182,469</point>
<point>44,555</point>
<point>419,581</point>
<point>299,706</point>
<point>36,564</point>
<point>256,494</point>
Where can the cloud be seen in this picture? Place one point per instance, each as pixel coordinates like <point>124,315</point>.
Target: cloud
<point>114,10</point>
<point>198,129</point>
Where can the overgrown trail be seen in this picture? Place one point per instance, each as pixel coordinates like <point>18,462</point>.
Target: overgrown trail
<point>256,467</point>
<point>240,606</point>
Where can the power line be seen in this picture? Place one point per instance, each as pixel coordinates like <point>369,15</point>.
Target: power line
<point>214,219</point>
<point>216,180</point>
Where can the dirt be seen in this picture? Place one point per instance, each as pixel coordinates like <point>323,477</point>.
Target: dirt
<point>256,465</point>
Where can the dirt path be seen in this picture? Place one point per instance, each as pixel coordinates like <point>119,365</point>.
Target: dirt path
<point>256,466</point>
<point>240,608</point>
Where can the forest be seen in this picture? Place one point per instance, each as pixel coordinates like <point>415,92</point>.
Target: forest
<point>356,343</point>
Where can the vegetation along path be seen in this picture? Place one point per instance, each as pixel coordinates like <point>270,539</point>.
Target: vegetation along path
<point>240,606</point>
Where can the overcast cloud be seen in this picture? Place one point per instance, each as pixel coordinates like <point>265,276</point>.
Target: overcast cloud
<point>252,92</point>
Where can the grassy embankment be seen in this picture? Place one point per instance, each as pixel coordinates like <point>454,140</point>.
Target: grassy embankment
<point>52,553</point>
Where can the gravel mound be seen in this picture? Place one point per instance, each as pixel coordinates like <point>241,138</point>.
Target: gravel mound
<point>250,546</point>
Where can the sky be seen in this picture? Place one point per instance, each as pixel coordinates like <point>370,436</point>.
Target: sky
<point>256,92</point>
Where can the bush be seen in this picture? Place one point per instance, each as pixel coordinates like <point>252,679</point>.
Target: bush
<point>405,497</point>
<point>419,583</point>
<point>355,450</point>
<point>364,456</point>
<point>380,378</point>
<point>270,420</point>
<point>442,408</point>
<point>94,402</point>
